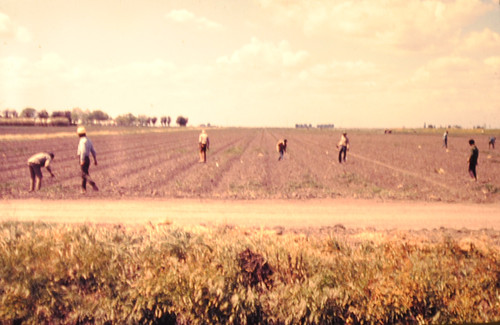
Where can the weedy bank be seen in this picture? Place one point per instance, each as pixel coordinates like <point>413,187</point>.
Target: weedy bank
<point>163,274</point>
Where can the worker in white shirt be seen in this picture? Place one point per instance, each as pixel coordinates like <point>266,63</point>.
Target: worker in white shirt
<point>35,164</point>
<point>85,149</point>
<point>343,146</point>
<point>204,143</point>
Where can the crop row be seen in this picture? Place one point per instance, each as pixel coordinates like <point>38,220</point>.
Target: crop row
<point>242,164</point>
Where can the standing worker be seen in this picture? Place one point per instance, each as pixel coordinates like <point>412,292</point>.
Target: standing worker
<point>474,154</point>
<point>445,139</point>
<point>35,164</point>
<point>343,146</point>
<point>85,149</point>
<point>204,143</point>
<point>281,148</point>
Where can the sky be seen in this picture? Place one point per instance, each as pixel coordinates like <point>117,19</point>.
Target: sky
<point>270,63</point>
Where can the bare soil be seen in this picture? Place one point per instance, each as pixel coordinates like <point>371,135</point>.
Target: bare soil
<point>286,214</point>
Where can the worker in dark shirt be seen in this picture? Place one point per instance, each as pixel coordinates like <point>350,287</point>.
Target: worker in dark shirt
<point>474,154</point>
<point>491,142</point>
<point>35,164</point>
<point>281,148</point>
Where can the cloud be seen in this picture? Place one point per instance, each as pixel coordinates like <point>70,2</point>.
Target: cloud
<point>493,62</point>
<point>485,41</point>
<point>184,16</point>
<point>408,25</point>
<point>262,55</point>
<point>342,70</point>
<point>10,30</point>
<point>455,81</point>
<point>452,70</point>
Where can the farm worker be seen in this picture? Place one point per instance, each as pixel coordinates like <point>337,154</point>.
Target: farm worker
<point>474,154</point>
<point>491,143</point>
<point>445,139</point>
<point>85,149</point>
<point>204,143</point>
<point>281,148</point>
<point>343,146</point>
<point>35,164</point>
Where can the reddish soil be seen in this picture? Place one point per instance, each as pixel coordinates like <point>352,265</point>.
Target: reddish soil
<point>242,164</point>
<point>402,180</point>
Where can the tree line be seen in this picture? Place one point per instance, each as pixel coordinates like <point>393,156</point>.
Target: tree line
<point>30,116</point>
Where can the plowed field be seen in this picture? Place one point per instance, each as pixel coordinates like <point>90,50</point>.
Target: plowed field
<point>242,164</point>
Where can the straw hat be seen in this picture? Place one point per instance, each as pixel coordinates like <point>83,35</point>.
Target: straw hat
<point>81,130</point>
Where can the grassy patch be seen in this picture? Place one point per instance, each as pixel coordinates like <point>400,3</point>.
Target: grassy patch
<point>168,275</point>
<point>491,188</point>
<point>237,151</point>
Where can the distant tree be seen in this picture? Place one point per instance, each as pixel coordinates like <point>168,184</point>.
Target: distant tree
<point>143,120</point>
<point>79,115</point>
<point>10,113</point>
<point>163,121</point>
<point>43,114</point>
<point>168,121</point>
<point>181,121</point>
<point>98,115</point>
<point>153,120</point>
<point>28,112</point>
<point>66,114</point>
<point>126,120</point>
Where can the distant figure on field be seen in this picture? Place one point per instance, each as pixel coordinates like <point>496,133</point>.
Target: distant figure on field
<point>474,154</point>
<point>281,148</point>
<point>445,139</point>
<point>343,146</point>
<point>35,164</point>
<point>204,143</point>
<point>85,149</point>
<point>491,143</point>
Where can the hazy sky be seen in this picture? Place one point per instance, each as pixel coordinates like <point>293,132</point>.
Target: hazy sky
<point>356,63</point>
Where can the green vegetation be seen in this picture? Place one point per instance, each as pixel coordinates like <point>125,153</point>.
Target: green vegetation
<point>236,151</point>
<point>161,274</point>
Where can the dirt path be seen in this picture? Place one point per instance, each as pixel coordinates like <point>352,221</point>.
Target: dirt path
<point>265,213</point>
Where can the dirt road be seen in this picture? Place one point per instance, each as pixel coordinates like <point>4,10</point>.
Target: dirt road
<point>263,213</point>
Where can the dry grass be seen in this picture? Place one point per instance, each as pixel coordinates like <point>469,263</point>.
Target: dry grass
<point>163,274</point>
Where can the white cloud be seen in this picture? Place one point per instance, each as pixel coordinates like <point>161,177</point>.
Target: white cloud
<point>52,63</point>
<point>10,30</point>
<point>410,25</point>
<point>450,70</point>
<point>264,55</point>
<point>485,41</point>
<point>459,83</point>
<point>493,62</point>
<point>4,23</point>
<point>12,66</point>
<point>345,70</point>
<point>185,16</point>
